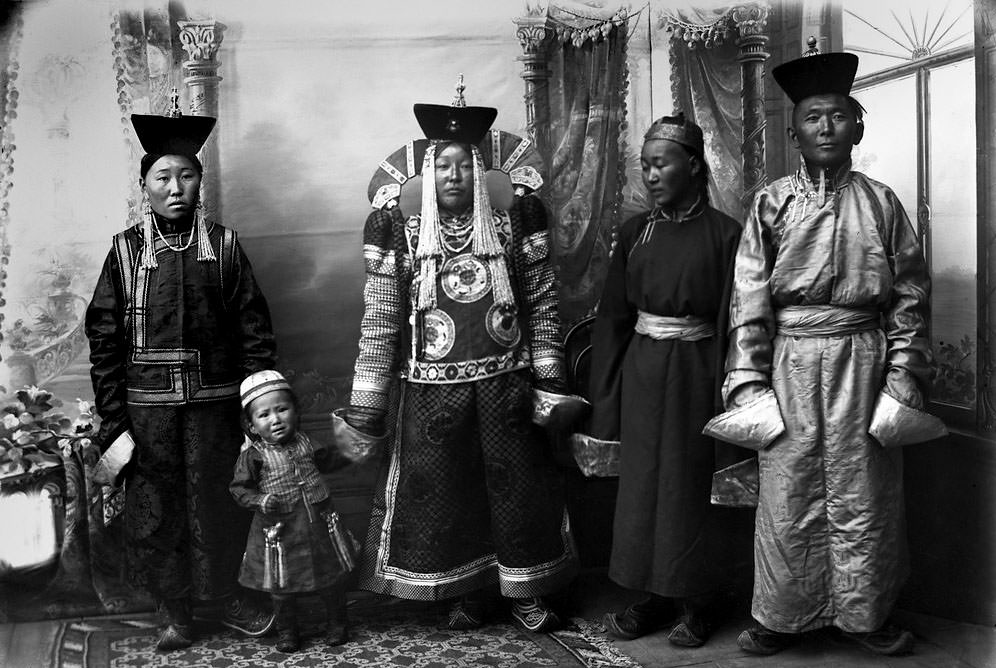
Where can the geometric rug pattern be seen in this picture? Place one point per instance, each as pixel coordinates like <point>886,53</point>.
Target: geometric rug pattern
<point>409,638</point>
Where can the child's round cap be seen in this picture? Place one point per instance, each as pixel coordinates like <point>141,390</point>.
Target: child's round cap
<point>260,383</point>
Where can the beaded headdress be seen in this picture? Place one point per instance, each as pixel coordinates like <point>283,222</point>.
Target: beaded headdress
<point>466,125</point>
<point>173,134</point>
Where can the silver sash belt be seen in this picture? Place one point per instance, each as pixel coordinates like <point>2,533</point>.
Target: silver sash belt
<point>825,320</point>
<point>659,327</point>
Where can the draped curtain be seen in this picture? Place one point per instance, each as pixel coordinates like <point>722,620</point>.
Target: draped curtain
<point>706,84</point>
<point>587,109</point>
<point>67,94</point>
<point>147,57</point>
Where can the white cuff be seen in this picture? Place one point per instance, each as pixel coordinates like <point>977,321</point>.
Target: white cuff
<point>894,424</point>
<point>753,425</point>
<point>114,459</point>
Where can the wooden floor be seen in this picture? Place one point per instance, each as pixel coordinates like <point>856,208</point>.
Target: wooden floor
<point>940,643</point>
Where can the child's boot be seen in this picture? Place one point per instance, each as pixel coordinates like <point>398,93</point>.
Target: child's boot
<point>337,632</point>
<point>175,625</point>
<point>285,614</point>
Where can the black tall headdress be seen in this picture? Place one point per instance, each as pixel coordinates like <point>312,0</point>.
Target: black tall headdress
<point>174,133</point>
<point>818,74</point>
<point>455,122</point>
<point>468,125</point>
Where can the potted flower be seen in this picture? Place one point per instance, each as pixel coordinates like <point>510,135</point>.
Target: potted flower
<point>35,441</point>
<point>33,435</point>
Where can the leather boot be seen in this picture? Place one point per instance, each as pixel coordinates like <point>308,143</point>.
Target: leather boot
<point>700,617</point>
<point>175,630</point>
<point>337,630</point>
<point>641,618</point>
<point>535,615</point>
<point>285,614</point>
<point>243,616</point>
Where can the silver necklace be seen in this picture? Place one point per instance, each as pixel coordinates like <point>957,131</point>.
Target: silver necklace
<point>455,232</point>
<point>176,249</point>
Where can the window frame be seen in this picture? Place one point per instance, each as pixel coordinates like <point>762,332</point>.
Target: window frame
<point>956,416</point>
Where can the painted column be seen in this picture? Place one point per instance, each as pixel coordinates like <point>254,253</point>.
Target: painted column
<point>534,36</point>
<point>201,40</point>
<point>750,20</point>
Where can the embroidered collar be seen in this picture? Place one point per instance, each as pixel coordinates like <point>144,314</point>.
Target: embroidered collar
<point>834,182</point>
<point>659,214</point>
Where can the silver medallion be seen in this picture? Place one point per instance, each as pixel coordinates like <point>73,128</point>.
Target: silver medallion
<point>438,333</point>
<point>465,278</point>
<point>503,325</point>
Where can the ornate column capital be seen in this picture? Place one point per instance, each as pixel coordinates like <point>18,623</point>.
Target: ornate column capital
<point>534,33</point>
<point>201,39</point>
<point>750,20</point>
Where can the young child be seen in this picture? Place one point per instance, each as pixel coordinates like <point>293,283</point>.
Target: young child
<point>296,543</point>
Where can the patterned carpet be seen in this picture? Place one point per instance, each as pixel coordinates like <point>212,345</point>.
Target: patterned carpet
<point>409,637</point>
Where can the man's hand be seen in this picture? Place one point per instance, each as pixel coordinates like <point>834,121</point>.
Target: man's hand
<point>746,393</point>
<point>902,387</point>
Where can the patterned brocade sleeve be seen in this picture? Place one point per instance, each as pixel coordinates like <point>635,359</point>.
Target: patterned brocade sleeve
<point>539,291</point>
<point>105,328</point>
<point>752,318</point>
<point>380,327</point>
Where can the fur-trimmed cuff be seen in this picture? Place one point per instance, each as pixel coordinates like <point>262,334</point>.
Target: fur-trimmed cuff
<point>594,456</point>
<point>355,445</point>
<point>754,425</point>
<point>558,411</point>
<point>115,458</point>
<point>894,424</point>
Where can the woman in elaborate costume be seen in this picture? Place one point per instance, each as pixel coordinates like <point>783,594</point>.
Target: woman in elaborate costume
<point>176,322</point>
<point>656,357</point>
<point>460,301</point>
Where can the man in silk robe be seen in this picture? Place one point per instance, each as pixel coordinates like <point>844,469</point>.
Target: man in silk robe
<point>830,307</point>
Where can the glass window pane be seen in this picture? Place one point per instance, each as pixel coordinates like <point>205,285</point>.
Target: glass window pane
<point>952,232</point>
<point>888,151</point>
<point>887,33</point>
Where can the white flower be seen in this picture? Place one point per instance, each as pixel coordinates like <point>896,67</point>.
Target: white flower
<point>11,421</point>
<point>26,418</point>
<point>15,407</point>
